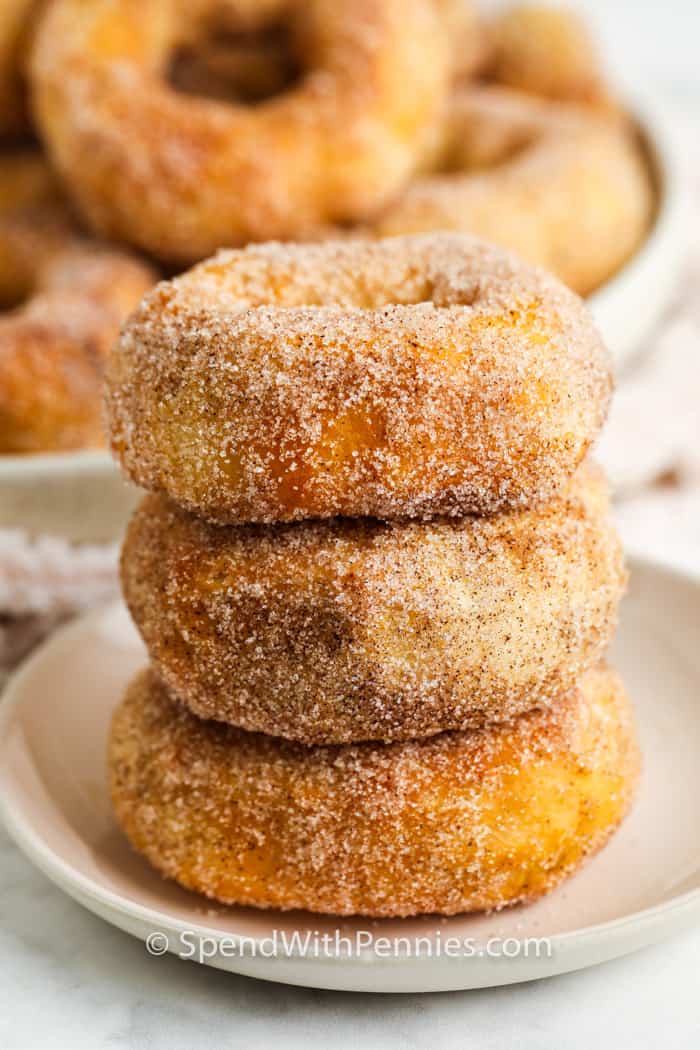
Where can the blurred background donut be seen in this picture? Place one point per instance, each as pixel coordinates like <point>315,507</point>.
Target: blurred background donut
<point>181,176</point>
<point>559,185</point>
<point>547,51</point>
<point>64,298</point>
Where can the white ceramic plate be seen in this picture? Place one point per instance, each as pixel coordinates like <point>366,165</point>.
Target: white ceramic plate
<point>643,886</point>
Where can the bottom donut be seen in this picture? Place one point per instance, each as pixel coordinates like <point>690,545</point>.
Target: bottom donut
<point>455,823</point>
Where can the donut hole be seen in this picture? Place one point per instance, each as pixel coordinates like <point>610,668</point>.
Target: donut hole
<point>245,66</point>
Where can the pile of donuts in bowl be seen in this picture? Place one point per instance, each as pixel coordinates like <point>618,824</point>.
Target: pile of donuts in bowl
<point>139,139</point>
<point>375,571</point>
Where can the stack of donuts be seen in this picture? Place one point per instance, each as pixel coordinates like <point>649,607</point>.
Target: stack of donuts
<point>174,129</point>
<point>375,575</point>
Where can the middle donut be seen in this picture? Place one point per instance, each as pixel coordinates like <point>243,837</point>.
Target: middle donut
<point>346,630</point>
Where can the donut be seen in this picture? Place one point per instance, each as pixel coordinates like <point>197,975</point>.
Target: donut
<point>400,378</point>
<point>561,188</point>
<point>548,51</point>
<point>14,19</point>
<point>240,61</point>
<point>353,629</point>
<point>27,183</point>
<point>456,823</point>
<point>181,176</point>
<point>34,217</point>
<point>64,298</point>
<point>469,36</point>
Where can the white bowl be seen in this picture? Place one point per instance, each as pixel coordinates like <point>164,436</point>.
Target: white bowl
<point>628,306</point>
<point>643,886</point>
<point>81,496</point>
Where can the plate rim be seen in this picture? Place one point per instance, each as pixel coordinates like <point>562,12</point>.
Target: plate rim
<point>83,888</point>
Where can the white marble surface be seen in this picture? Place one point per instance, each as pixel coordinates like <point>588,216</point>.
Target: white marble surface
<point>69,980</point>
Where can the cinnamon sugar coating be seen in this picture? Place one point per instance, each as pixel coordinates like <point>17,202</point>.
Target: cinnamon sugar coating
<point>66,297</point>
<point>354,629</point>
<point>181,176</point>
<point>456,823</point>
<point>408,377</point>
<point>562,187</point>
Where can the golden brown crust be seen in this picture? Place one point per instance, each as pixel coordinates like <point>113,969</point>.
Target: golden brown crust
<point>67,297</point>
<point>564,189</point>
<point>329,632</point>
<point>401,378</point>
<point>456,823</point>
<point>182,176</point>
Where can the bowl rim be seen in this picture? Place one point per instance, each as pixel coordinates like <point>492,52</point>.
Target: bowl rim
<point>651,118</point>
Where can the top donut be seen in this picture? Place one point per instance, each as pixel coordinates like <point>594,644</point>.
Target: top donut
<point>410,377</point>
<point>181,176</point>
